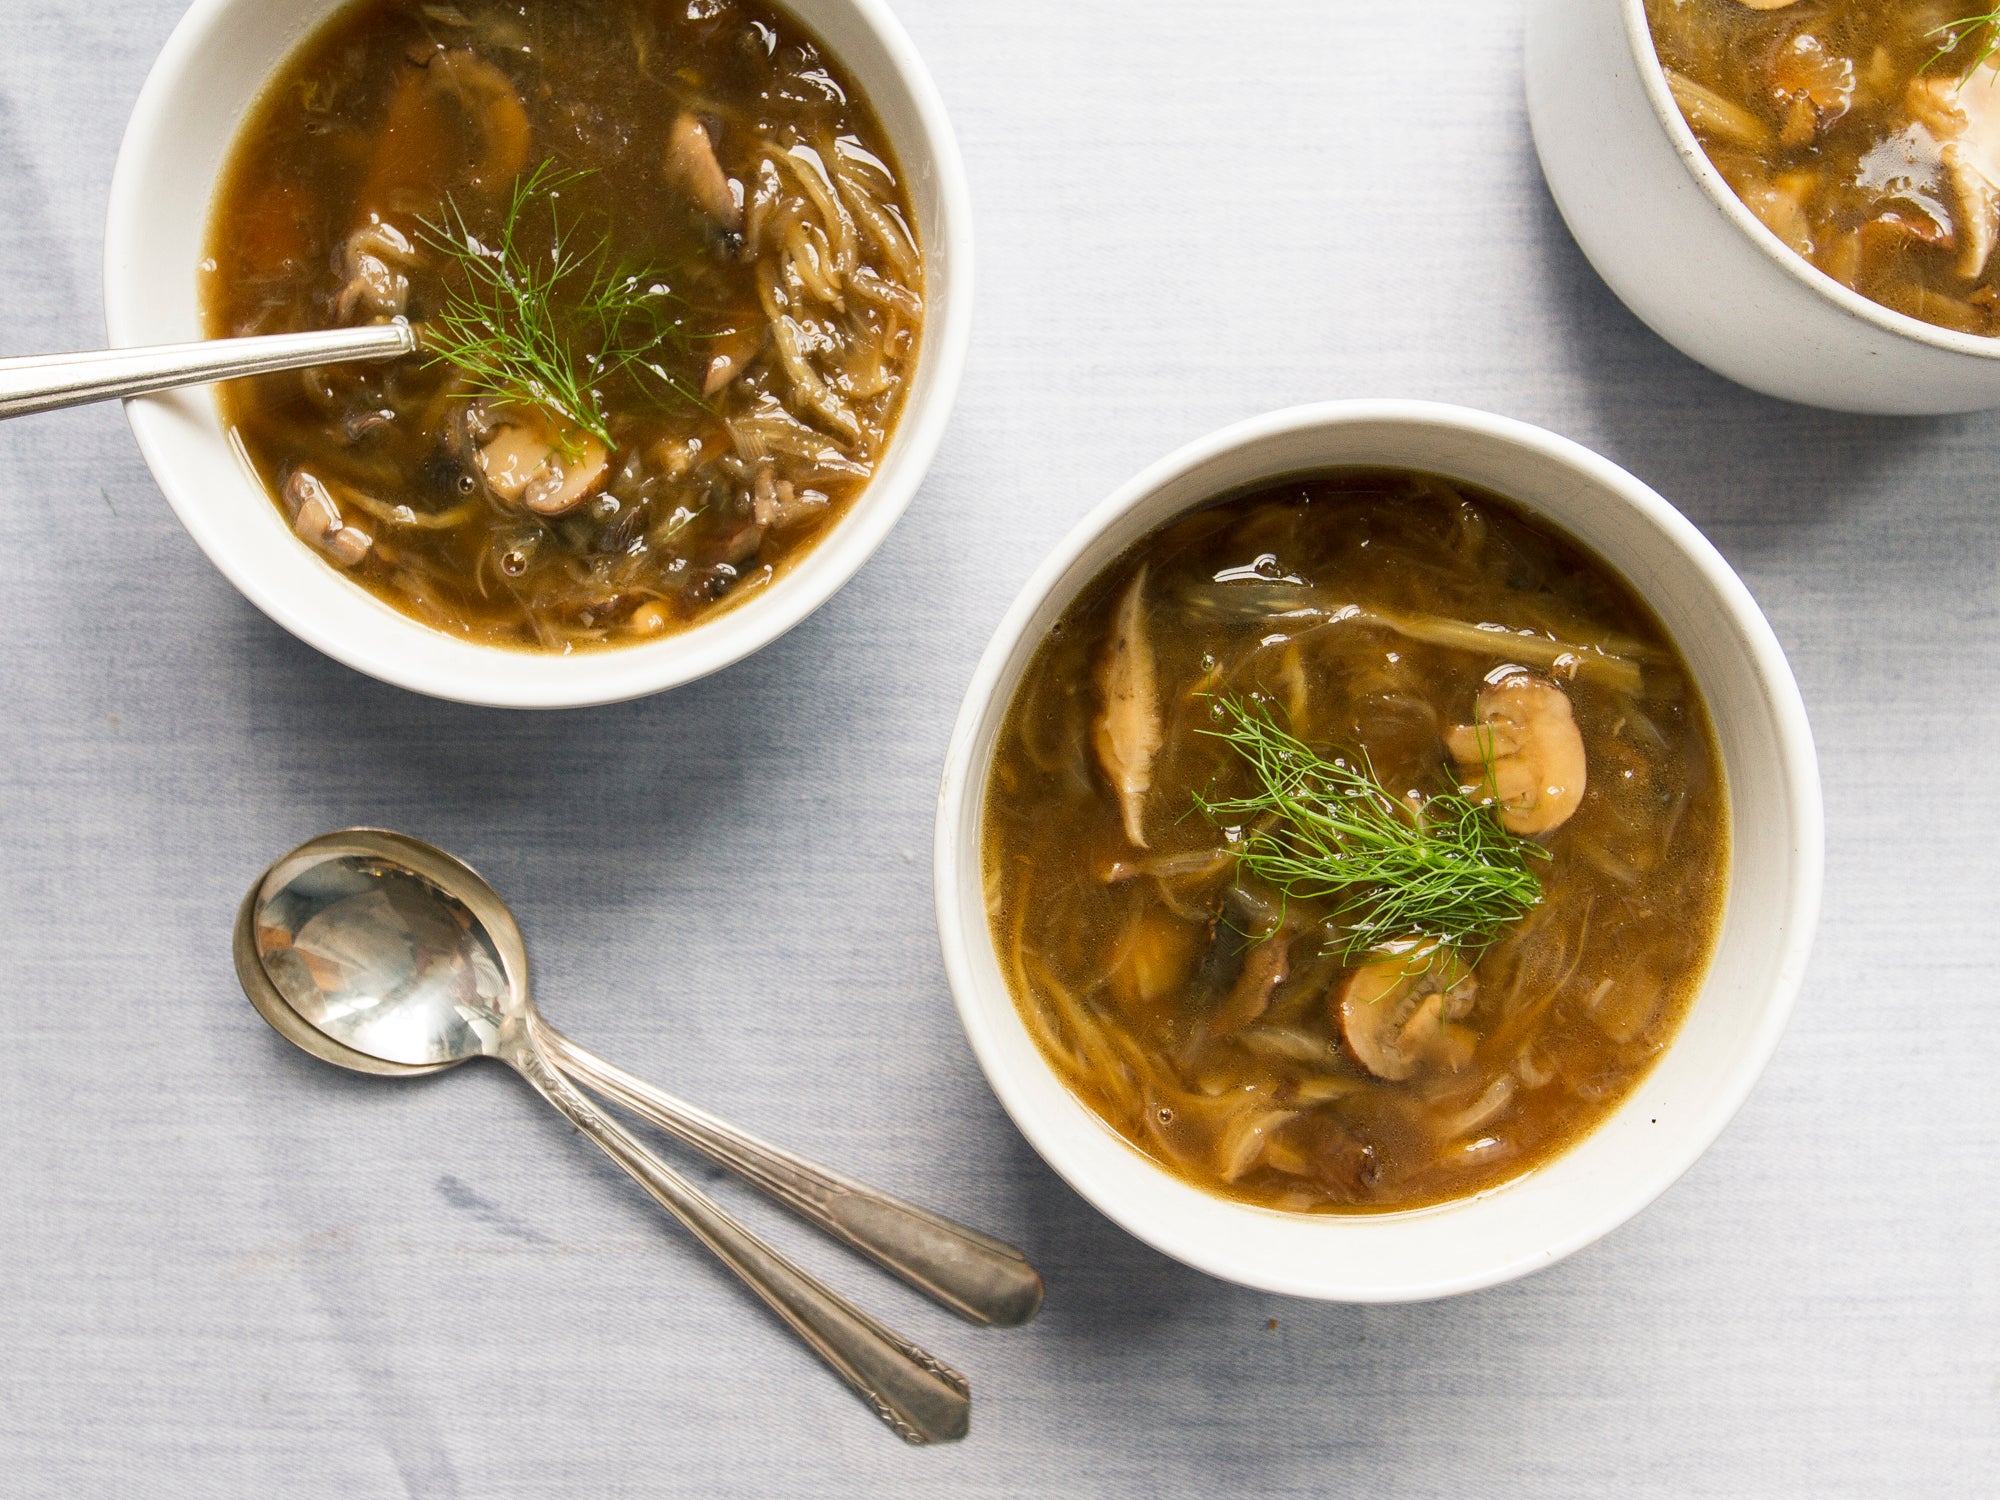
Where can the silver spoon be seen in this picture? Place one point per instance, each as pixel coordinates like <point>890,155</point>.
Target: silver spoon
<point>401,955</point>
<point>982,1279</point>
<point>48,382</point>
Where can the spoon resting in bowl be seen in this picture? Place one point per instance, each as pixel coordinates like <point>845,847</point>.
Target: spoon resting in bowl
<point>50,382</point>
<point>379,953</point>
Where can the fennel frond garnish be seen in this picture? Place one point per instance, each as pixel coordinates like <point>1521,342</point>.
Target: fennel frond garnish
<point>1955,34</point>
<point>1325,828</point>
<point>549,329</point>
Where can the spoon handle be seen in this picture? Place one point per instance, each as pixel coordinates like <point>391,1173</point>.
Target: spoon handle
<point>924,1400</point>
<point>976,1276</point>
<point>48,382</point>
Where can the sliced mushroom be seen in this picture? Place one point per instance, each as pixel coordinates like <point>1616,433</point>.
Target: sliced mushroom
<point>357,425</point>
<point>1781,203</point>
<point>1710,113</point>
<point>1815,83</point>
<point>1766,4</point>
<point>692,163</point>
<point>1264,968</point>
<point>1331,1154</point>
<point>777,504</point>
<point>1149,966</point>
<point>1394,1009</point>
<point>1241,1144</point>
<point>449,105</point>
<point>1128,732</point>
<point>676,457</point>
<point>317,520</point>
<point>742,545</point>
<point>1807,66</point>
<point>1525,753</point>
<point>372,263</point>
<point>1911,200</point>
<point>1230,931</point>
<point>1493,1102</point>
<point>733,354</point>
<point>528,460</point>
<point>1964,115</point>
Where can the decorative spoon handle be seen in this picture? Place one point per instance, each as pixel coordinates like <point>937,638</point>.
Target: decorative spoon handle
<point>48,382</point>
<point>975,1275</point>
<point>924,1400</point>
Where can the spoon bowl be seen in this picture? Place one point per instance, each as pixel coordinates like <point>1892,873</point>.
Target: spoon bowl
<point>388,947</point>
<point>288,1023</point>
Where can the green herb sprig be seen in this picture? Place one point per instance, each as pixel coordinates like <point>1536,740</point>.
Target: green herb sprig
<point>1963,30</point>
<point>1325,828</point>
<point>548,330</point>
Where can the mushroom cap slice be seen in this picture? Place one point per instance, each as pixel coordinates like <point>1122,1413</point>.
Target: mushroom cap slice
<point>692,163</point>
<point>316,518</point>
<point>1265,966</point>
<point>1525,752</point>
<point>1392,1011</point>
<point>1128,732</point>
<point>527,460</point>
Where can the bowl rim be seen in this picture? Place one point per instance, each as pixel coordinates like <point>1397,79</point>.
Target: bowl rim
<point>1652,74</point>
<point>499,676</point>
<point>962,925</point>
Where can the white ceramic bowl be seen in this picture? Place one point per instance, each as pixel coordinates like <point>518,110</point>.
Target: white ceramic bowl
<point>214,67</point>
<point>1680,1107</point>
<point>1679,248</point>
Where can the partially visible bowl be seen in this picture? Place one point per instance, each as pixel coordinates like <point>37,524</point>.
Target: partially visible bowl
<point>1674,1114</point>
<point>213,69</point>
<point>1669,236</point>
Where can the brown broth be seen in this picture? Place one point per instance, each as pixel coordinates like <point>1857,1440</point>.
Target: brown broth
<point>1829,118</point>
<point>1119,958</point>
<point>405,113</point>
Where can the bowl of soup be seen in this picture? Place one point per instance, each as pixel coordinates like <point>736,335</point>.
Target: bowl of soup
<point>692,290</point>
<point>1804,195</point>
<point>1378,851</point>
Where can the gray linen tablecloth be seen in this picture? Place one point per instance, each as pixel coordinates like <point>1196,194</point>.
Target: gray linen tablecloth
<point>229,1270</point>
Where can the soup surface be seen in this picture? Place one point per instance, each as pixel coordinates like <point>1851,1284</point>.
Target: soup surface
<point>1864,133</point>
<point>667,285</point>
<point>1356,843</point>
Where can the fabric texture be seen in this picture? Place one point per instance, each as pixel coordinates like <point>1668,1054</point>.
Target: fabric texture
<point>231,1270</point>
